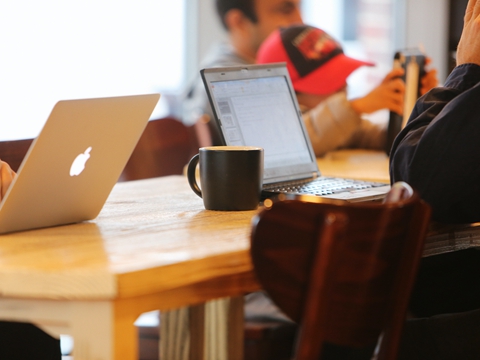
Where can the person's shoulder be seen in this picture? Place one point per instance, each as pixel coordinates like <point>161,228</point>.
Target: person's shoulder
<point>223,54</point>
<point>464,77</point>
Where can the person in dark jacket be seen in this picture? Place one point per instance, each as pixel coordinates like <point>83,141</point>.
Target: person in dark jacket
<point>438,153</point>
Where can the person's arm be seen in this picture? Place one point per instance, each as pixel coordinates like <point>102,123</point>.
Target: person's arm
<point>438,152</point>
<point>468,51</point>
<point>334,124</point>
<point>387,95</point>
<point>369,135</point>
<point>6,177</point>
<point>331,124</point>
<point>429,80</point>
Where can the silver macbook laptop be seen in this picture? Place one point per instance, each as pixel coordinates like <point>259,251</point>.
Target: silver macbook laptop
<point>72,166</point>
<point>256,105</point>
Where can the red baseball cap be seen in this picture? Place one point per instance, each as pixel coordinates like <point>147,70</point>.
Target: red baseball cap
<point>315,61</point>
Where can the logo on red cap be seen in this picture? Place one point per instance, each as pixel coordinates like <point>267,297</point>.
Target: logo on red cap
<point>315,44</point>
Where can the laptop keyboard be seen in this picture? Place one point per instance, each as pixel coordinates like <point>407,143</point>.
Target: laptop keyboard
<point>321,186</point>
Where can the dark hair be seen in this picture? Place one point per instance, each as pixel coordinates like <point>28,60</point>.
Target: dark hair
<point>245,6</point>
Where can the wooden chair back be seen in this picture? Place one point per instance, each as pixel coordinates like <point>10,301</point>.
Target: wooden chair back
<point>13,151</point>
<point>164,148</point>
<point>343,271</point>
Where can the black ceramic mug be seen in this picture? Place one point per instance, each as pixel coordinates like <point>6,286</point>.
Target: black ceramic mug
<point>231,177</point>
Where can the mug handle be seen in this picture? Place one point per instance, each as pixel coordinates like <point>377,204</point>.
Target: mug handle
<point>191,172</point>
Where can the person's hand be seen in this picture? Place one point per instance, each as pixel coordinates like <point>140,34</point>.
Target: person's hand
<point>429,80</point>
<point>388,95</point>
<point>6,177</point>
<point>468,50</point>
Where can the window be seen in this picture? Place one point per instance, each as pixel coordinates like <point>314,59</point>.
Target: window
<point>56,49</point>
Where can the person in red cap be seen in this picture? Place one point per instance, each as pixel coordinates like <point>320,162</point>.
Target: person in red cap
<point>319,70</point>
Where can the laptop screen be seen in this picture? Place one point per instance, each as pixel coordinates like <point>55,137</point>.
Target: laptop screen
<point>257,107</point>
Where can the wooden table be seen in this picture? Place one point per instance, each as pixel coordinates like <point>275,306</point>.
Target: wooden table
<point>356,164</point>
<point>153,246</point>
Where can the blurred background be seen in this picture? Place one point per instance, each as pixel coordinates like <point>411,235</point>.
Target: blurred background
<point>56,49</point>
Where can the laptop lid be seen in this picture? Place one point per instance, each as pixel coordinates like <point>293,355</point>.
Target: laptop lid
<point>72,166</point>
<point>256,105</point>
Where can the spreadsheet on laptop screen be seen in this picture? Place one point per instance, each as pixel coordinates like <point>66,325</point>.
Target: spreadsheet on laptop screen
<point>252,112</point>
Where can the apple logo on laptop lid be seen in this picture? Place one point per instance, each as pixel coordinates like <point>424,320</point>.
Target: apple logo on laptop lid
<point>78,164</point>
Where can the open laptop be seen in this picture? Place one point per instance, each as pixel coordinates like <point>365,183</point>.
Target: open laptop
<point>256,105</point>
<point>72,166</point>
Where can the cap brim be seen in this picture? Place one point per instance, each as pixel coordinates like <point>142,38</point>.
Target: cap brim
<point>329,78</point>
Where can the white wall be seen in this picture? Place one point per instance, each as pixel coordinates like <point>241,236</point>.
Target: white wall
<point>425,22</point>
<point>55,50</point>
<point>204,31</point>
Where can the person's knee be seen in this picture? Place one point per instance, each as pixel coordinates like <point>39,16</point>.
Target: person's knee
<point>442,337</point>
<point>447,283</point>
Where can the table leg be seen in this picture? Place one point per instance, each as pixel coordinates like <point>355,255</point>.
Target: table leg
<point>91,326</point>
<point>224,326</point>
<point>90,323</point>
<point>100,329</point>
<point>213,331</point>
<point>216,329</point>
<point>174,334</point>
<point>197,332</point>
<point>235,321</point>
<point>125,332</point>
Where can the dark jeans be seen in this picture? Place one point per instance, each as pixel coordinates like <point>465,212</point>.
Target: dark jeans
<point>22,341</point>
<point>442,337</point>
<point>447,283</point>
<point>446,304</point>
